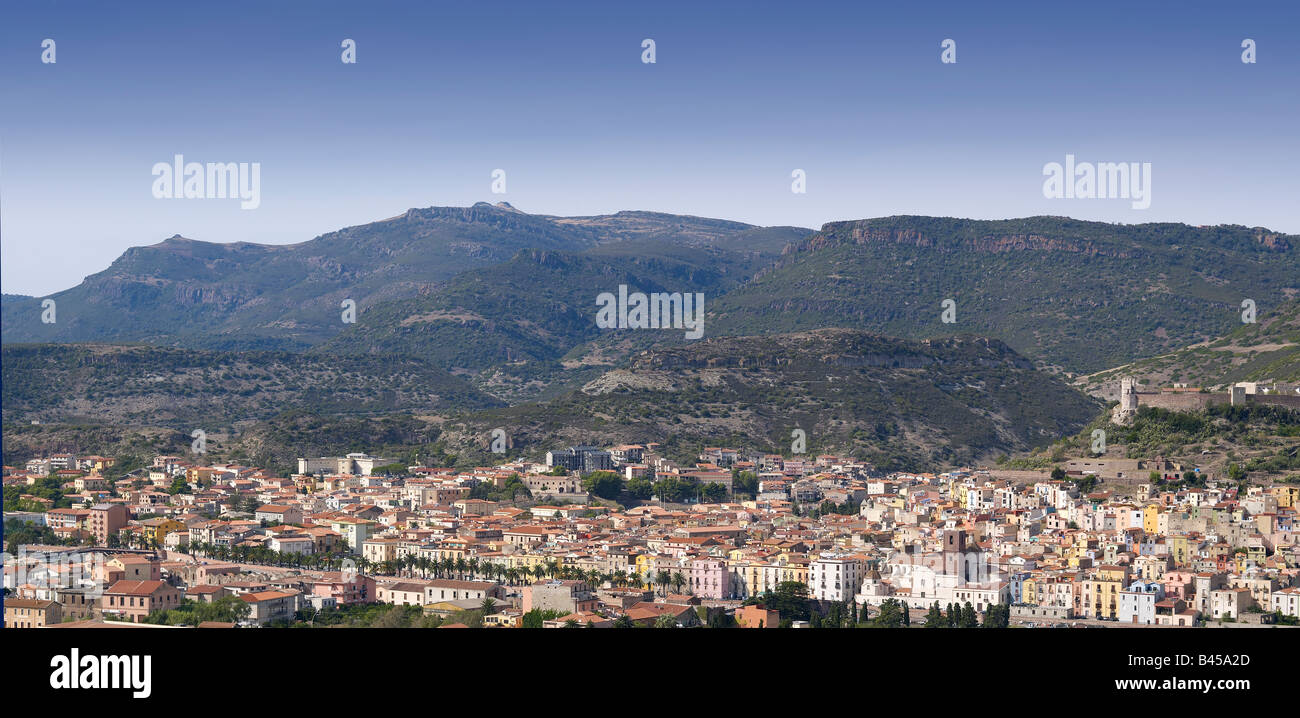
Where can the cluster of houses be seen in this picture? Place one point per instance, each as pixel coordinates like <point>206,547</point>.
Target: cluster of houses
<point>337,534</point>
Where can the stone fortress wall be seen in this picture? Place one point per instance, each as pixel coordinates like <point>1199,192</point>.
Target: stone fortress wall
<point>1179,399</point>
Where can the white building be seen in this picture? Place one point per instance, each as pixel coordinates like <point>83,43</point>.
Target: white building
<point>835,576</point>
<point>1287,601</point>
<point>982,595</point>
<point>1137,603</point>
<point>359,464</point>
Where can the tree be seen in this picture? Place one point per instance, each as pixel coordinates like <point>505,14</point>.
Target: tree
<point>230,609</point>
<point>605,484</point>
<point>666,621</point>
<point>393,618</point>
<point>934,617</point>
<point>997,616</point>
<point>968,618</point>
<point>1058,474</point>
<point>472,619</point>
<point>722,619</point>
<point>624,622</point>
<point>713,493</point>
<point>533,619</point>
<point>640,489</point>
<point>890,615</point>
<point>663,578</point>
<point>790,599</point>
<point>488,607</point>
<point>744,482</point>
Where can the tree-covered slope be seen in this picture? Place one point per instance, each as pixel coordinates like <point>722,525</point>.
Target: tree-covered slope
<point>145,385</point>
<point>1268,349</point>
<point>1083,296</point>
<point>898,403</point>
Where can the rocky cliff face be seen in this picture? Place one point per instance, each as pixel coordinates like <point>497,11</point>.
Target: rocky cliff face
<point>839,233</point>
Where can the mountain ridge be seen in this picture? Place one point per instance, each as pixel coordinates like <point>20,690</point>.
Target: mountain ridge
<point>186,292</point>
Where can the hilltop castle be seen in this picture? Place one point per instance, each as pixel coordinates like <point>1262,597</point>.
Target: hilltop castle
<point>1183,398</point>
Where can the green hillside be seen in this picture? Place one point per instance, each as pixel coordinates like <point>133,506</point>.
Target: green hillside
<point>894,402</point>
<point>1083,296</point>
<point>1269,349</point>
<point>141,385</point>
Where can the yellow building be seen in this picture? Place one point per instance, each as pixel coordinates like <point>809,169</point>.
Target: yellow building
<point>1179,549</point>
<point>1101,597</point>
<point>529,560</point>
<point>1287,496</point>
<point>959,493</point>
<point>758,577</point>
<point>645,564</point>
<point>156,530</point>
<point>1029,589</point>
<point>1151,519</point>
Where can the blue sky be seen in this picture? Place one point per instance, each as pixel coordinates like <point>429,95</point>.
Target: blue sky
<point>556,95</point>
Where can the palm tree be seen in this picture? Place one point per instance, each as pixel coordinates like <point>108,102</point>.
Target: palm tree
<point>663,579</point>
<point>620,577</point>
<point>488,607</point>
<point>678,581</point>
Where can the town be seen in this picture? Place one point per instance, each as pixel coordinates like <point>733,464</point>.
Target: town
<point>735,540</point>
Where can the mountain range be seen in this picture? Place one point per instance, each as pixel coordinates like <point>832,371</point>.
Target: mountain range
<point>183,292</point>
<point>479,314</point>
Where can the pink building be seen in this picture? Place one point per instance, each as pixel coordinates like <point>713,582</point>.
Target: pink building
<point>1179,584</point>
<point>361,589</point>
<point>708,577</point>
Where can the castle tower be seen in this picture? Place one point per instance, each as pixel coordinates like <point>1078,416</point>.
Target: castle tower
<point>1128,395</point>
<point>1128,401</point>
